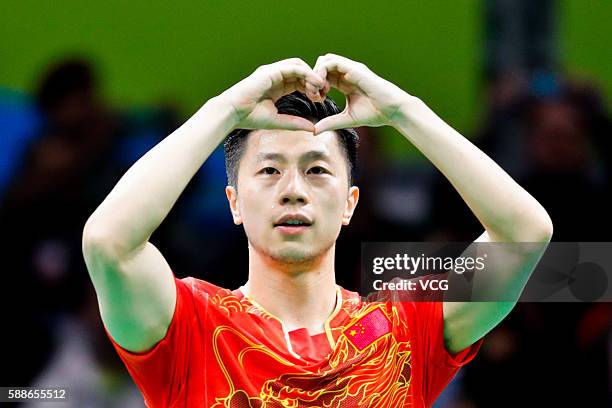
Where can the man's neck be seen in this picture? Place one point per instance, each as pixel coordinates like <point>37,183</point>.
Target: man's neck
<point>301,296</point>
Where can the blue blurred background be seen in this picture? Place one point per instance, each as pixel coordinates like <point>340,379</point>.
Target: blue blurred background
<point>87,88</point>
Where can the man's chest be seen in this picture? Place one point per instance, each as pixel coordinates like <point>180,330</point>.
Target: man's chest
<point>365,365</point>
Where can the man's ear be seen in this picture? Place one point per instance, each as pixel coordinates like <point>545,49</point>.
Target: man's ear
<point>232,198</point>
<point>351,203</point>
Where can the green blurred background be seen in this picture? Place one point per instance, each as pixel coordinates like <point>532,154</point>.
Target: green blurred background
<point>187,52</point>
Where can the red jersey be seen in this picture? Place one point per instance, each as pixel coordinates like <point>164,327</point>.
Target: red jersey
<point>222,349</point>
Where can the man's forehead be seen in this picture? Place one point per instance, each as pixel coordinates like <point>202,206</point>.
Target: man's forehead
<point>285,145</point>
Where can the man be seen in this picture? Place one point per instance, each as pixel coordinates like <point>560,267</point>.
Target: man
<point>290,336</point>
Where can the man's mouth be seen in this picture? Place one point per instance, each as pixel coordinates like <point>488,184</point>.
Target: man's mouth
<point>292,227</point>
<point>293,223</point>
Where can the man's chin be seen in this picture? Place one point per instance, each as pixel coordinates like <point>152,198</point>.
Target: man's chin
<point>294,255</point>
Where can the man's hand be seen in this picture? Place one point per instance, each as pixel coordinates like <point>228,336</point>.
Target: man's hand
<point>370,99</point>
<point>253,98</point>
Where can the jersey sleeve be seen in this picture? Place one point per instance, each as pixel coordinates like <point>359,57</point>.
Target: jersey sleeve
<point>160,372</point>
<point>437,365</point>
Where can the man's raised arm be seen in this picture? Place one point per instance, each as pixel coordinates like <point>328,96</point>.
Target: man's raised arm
<point>133,282</point>
<point>507,212</point>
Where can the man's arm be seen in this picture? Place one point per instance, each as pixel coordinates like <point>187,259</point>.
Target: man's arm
<point>133,282</point>
<point>507,212</point>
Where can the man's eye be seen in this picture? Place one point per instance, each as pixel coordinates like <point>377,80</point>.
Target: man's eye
<point>269,170</point>
<point>317,170</point>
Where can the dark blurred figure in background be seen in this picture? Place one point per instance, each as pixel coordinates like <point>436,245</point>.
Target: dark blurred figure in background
<point>41,212</point>
<point>60,179</point>
<point>66,171</point>
<point>568,153</point>
<point>558,353</point>
<point>553,135</point>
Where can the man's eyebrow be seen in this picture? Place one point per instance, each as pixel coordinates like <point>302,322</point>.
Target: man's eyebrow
<point>270,156</point>
<point>308,156</point>
<point>316,155</point>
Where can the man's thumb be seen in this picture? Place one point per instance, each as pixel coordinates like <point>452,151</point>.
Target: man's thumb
<point>291,122</point>
<point>338,121</point>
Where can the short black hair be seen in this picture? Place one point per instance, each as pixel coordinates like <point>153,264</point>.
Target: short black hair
<point>296,104</point>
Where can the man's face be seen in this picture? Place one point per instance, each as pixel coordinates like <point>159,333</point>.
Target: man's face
<point>292,174</point>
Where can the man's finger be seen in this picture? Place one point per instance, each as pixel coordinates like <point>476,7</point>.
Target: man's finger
<point>302,86</point>
<point>298,71</point>
<point>294,61</point>
<point>340,72</point>
<point>332,63</point>
<point>319,67</point>
<point>340,121</point>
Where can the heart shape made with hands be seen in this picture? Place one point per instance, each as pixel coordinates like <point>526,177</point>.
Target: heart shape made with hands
<point>337,72</point>
<point>370,100</point>
<point>319,95</point>
<point>368,97</point>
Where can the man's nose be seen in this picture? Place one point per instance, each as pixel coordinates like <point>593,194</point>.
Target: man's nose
<point>294,189</point>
